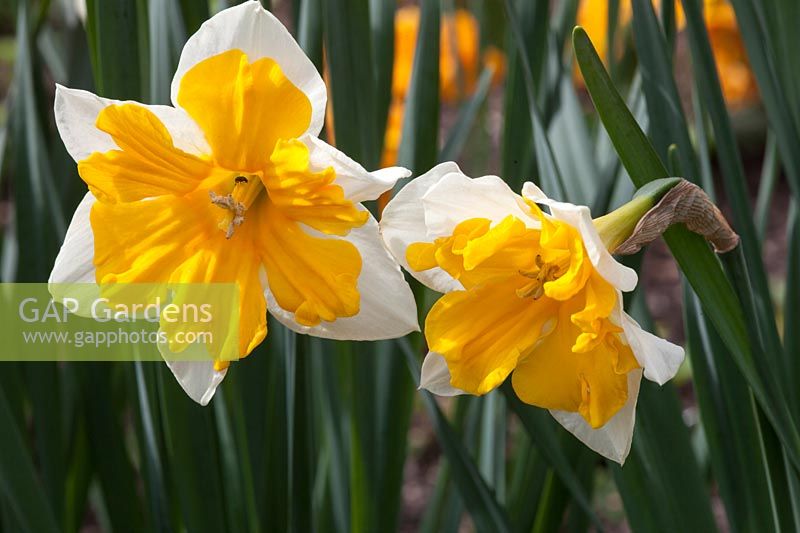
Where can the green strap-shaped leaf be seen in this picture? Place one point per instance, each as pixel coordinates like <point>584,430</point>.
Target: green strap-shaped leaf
<point>166,39</point>
<point>232,463</point>
<point>382,14</point>
<point>265,426</point>
<point>194,14</point>
<point>676,497</point>
<point>352,81</point>
<point>666,112</point>
<point>727,412</point>
<point>667,122</point>
<point>766,186</point>
<point>731,423</point>
<point>39,220</point>
<point>570,138</point>
<point>487,514</point>
<point>540,427</point>
<point>762,54</point>
<point>108,448</point>
<point>791,310</point>
<point>735,188</point>
<point>528,471</point>
<point>79,474</point>
<point>331,404</point>
<point>20,486</point>
<point>420,134</point>
<point>517,158</point>
<point>445,508</point>
<point>460,131</point>
<point>150,445</point>
<point>549,174</point>
<point>192,451</point>
<point>380,411</point>
<point>113,29</point>
<point>394,403</point>
<point>309,30</point>
<point>492,444</point>
<point>299,417</point>
<point>634,149</point>
<point>50,443</point>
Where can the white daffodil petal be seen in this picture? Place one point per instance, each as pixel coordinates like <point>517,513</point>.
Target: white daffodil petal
<point>73,274</point>
<point>256,32</point>
<point>74,261</point>
<point>194,370</point>
<point>660,358</point>
<point>435,376</point>
<point>198,378</point>
<point>613,440</point>
<point>387,308</point>
<point>457,197</point>
<point>580,218</point>
<point>76,113</point>
<point>358,184</point>
<point>403,223</point>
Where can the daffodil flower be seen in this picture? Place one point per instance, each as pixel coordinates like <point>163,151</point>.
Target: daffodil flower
<point>233,185</point>
<point>530,294</point>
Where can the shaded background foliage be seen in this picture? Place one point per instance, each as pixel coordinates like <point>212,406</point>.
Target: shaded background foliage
<point>308,434</point>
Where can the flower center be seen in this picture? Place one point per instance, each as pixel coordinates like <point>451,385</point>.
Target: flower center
<point>244,189</point>
<point>540,275</point>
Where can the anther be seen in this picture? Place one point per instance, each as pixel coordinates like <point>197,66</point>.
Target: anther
<point>240,179</point>
<point>543,273</point>
<point>236,208</point>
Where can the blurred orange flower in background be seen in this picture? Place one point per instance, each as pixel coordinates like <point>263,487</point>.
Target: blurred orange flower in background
<point>458,49</point>
<point>738,83</point>
<point>593,17</point>
<point>737,80</point>
<point>459,63</point>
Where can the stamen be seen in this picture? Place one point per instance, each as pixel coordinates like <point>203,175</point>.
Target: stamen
<point>543,273</point>
<point>533,289</point>
<point>236,209</point>
<point>243,193</point>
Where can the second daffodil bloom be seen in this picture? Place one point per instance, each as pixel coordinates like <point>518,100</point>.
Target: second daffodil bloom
<point>530,294</point>
<point>232,185</point>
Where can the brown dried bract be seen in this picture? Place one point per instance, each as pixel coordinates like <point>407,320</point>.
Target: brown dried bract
<point>688,204</point>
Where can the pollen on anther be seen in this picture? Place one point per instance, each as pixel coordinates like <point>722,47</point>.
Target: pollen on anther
<point>236,211</point>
